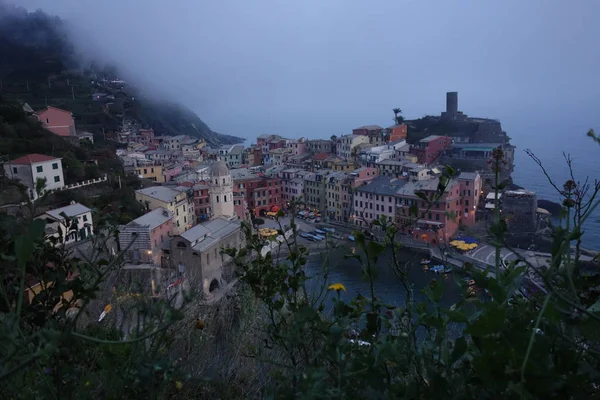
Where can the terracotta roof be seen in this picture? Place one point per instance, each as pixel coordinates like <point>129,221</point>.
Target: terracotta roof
<point>56,108</point>
<point>33,159</point>
<point>321,156</point>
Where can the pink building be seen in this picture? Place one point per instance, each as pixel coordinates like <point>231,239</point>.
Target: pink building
<point>470,193</point>
<point>146,236</point>
<point>428,150</point>
<point>170,171</point>
<point>60,122</point>
<point>377,198</point>
<point>240,207</point>
<point>297,146</point>
<point>202,201</point>
<point>340,191</point>
<point>436,224</point>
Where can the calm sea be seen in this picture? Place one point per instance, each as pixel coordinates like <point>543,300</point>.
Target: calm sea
<point>549,147</point>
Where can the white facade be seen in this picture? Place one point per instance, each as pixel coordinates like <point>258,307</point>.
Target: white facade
<point>346,143</point>
<point>57,225</point>
<point>30,168</point>
<point>221,190</point>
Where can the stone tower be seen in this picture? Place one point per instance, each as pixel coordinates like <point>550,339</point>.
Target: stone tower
<point>221,190</point>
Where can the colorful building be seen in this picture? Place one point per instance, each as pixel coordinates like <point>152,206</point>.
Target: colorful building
<point>33,167</point>
<point>144,238</point>
<point>60,122</point>
<point>153,172</point>
<point>429,149</point>
<point>175,201</point>
<point>471,191</point>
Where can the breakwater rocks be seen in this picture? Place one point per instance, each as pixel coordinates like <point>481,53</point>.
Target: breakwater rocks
<point>553,207</point>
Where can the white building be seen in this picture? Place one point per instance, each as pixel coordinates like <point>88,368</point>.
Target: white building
<point>30,168</point>
<point>57,225</point>
<point>347,143</point>
<point>373,155</point>
<point>221,190</point>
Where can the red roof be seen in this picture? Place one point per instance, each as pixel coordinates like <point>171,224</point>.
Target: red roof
<point>321,156</point>
<point>186,184</point>
<point>38,112</point>
<point>33,159</point>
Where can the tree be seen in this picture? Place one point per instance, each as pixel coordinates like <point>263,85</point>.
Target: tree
<point>333,138</point>
<point>398,118</point>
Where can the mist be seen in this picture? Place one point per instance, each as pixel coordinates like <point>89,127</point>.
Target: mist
<point>316,68</point>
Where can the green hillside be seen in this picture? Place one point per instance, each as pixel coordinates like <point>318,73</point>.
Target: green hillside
<point>38,67</point>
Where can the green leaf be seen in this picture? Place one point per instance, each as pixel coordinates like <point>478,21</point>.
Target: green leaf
<point>460,347</point>
<point>422,196</point>
<point>375,249</point>
<point>457,316</point>
<point>23,249</point>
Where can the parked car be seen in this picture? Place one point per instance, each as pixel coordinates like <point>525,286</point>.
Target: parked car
<point>330,230</point>
<point>304,235</point>
<point>320,232</point>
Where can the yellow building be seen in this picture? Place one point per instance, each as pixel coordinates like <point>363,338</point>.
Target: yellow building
<point>173,200</point>
<point>151,172</point>
<point>342,166</point>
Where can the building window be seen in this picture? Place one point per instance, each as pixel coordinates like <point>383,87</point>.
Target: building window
<point>466,202</point>
<point>85,218</point>
<point>55,165</point>
<point>217,199</point>
<point>57,178</point>
<point>437,217</point>
<point>390,209</point>
<point>39,168</point>
<point>14,170</point>
<point>177,222</point>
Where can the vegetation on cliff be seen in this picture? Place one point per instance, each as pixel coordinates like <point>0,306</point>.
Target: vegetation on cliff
<point>39,66</point>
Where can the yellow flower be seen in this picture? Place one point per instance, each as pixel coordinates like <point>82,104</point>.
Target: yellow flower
<point>337,287</point>
<point>178,386</point>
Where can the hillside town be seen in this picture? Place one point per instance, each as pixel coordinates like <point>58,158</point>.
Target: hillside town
<point>195,195</point>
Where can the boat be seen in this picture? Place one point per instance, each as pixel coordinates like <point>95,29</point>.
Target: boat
<point>425,261</point>
<point>351,238</point>
<point>448,270</point>
<point>471,282</point>
<point>438,269</point>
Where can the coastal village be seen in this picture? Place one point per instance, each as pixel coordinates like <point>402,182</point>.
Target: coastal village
<point>196,195</point>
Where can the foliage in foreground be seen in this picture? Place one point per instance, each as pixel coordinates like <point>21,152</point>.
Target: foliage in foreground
<point>311,342</point>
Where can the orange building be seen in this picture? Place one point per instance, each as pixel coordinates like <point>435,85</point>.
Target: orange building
<point>397,132</point>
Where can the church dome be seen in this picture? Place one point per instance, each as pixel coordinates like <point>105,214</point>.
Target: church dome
<point>218,169</point>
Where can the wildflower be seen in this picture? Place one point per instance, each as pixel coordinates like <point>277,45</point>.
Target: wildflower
<point>569,185</point>
<point>337,287</point>
<point>178,386</point>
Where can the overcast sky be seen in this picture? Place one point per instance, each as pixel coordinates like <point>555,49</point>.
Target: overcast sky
<point>321,67</point>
